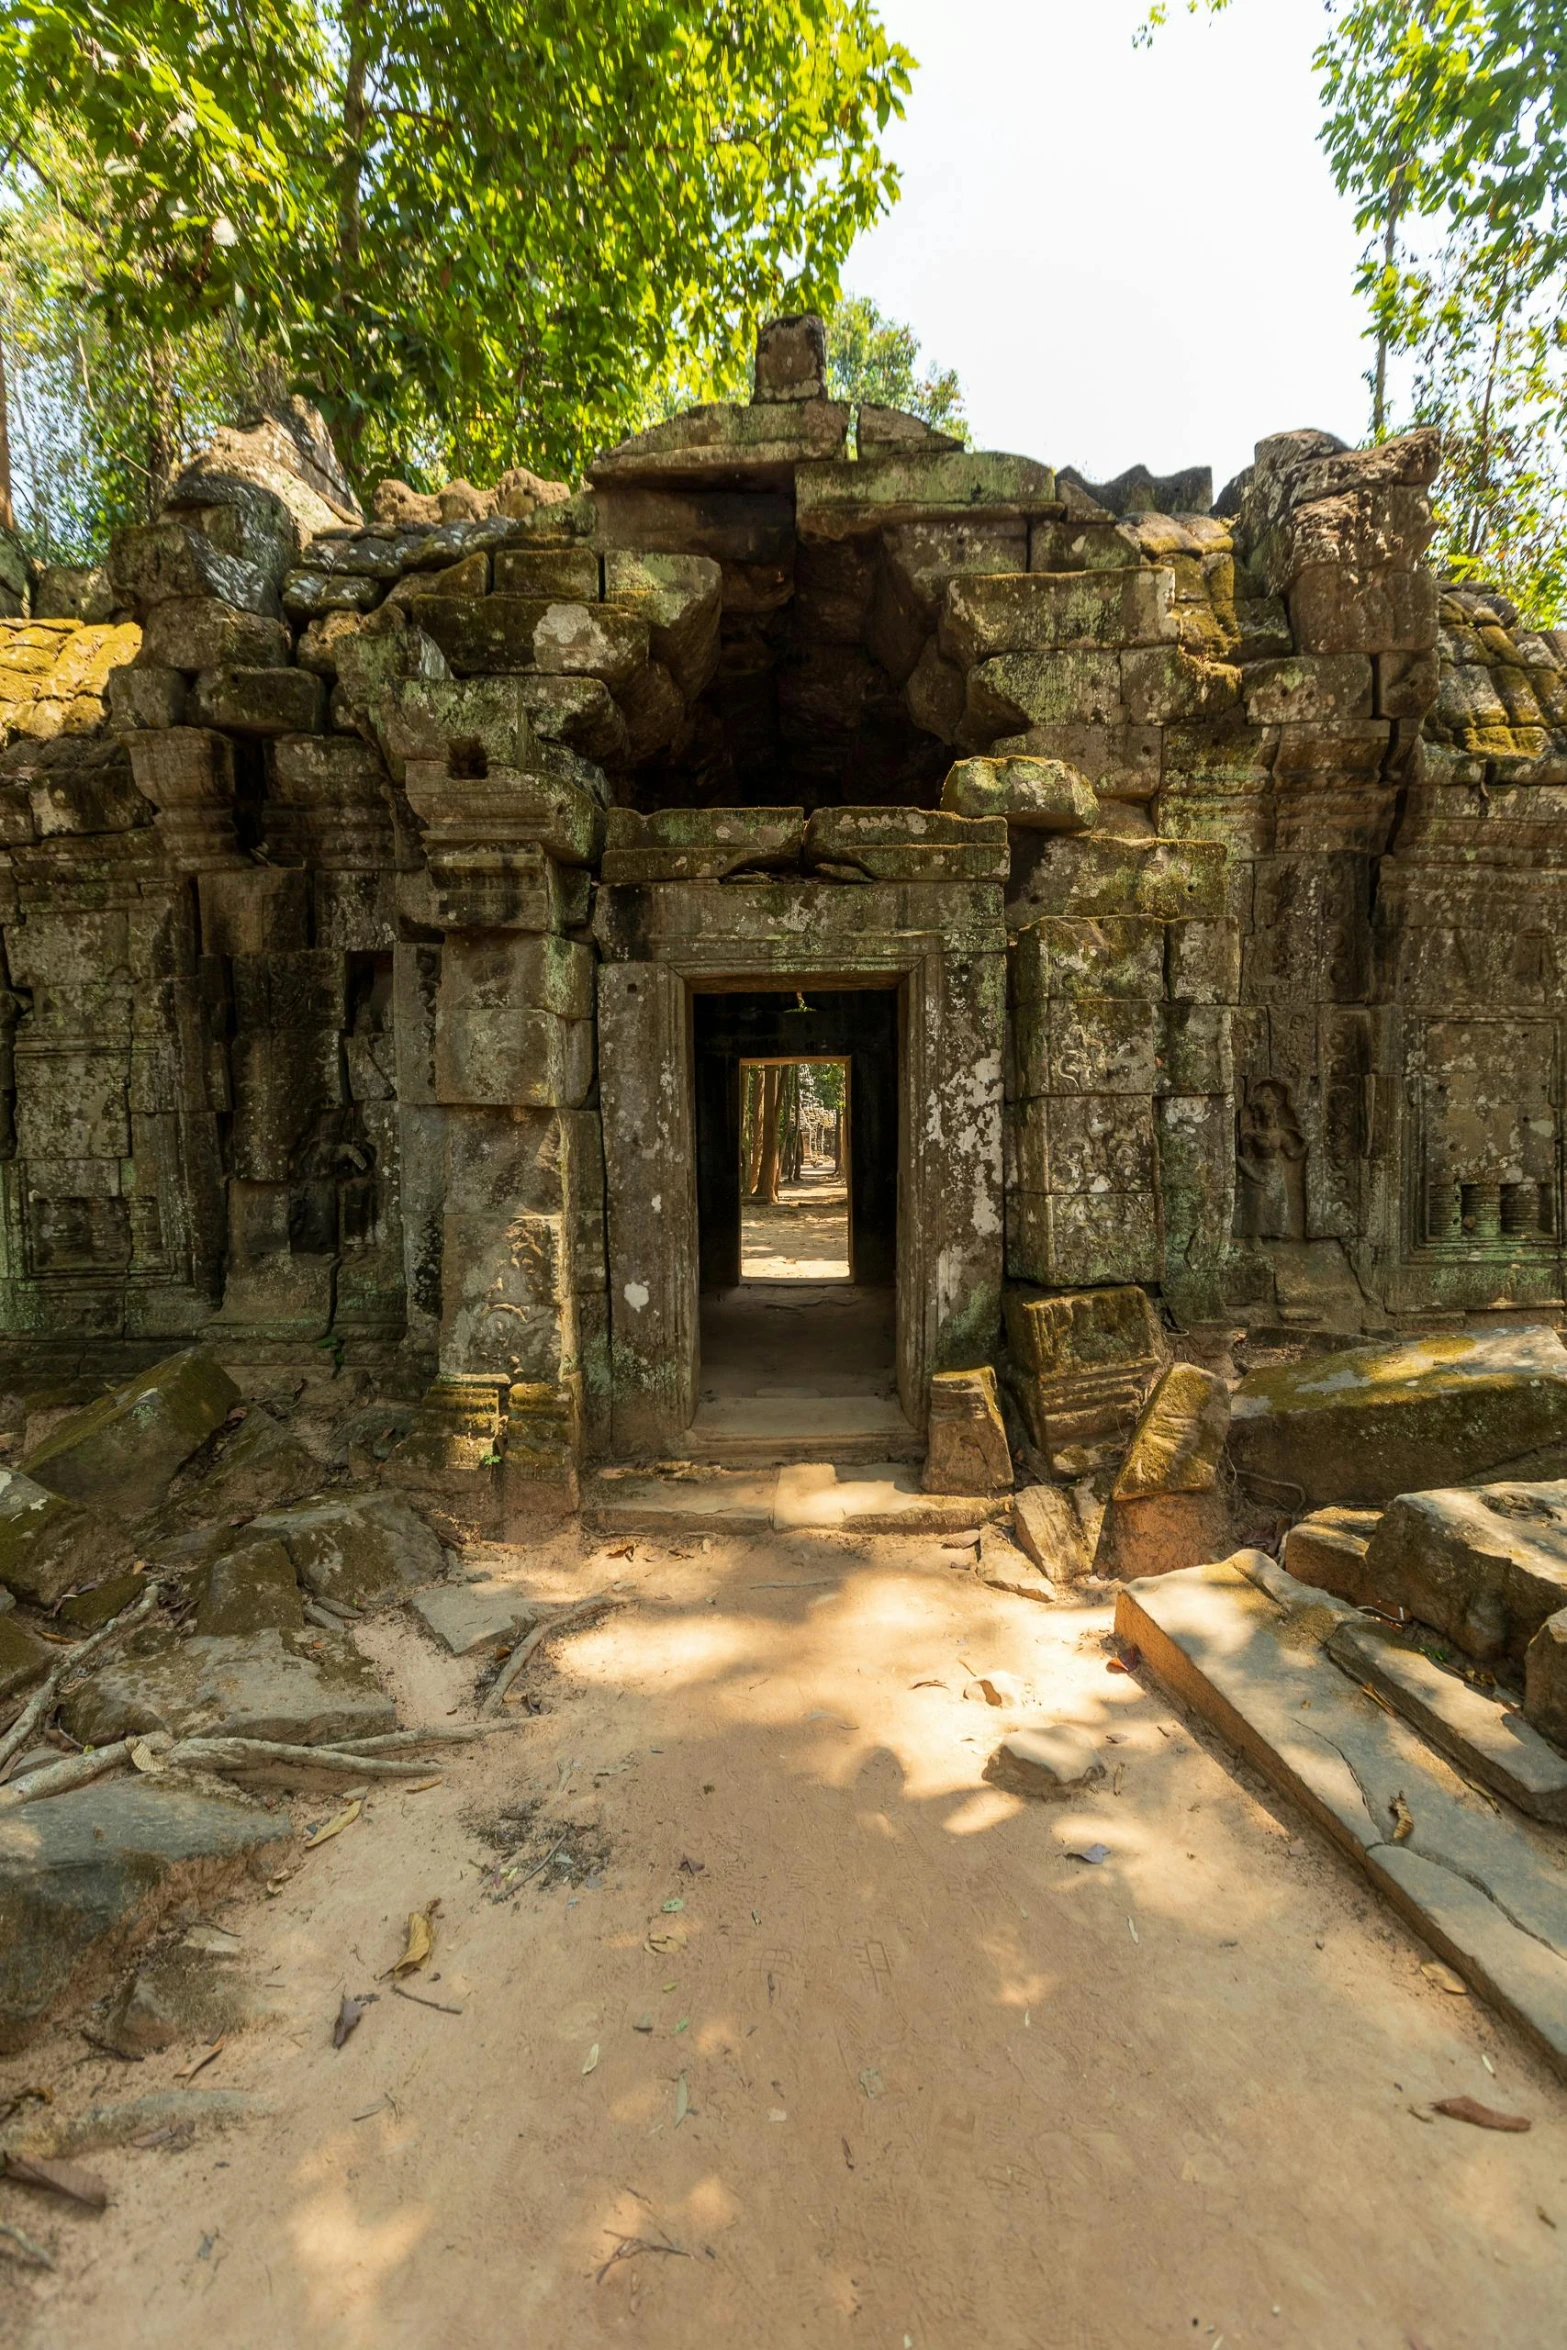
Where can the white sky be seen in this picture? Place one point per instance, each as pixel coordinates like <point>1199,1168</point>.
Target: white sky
<point>1126,253</point>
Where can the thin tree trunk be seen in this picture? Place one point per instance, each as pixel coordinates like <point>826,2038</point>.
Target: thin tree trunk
<point>767,1185</point>
<point>1395,205</point>
<point>350,224</point>
<point>752,1116</point>
<point>7,509</point>
<point>161,429</point>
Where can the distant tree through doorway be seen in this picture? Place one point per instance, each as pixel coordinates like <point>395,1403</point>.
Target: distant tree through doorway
<point>794,1175</point>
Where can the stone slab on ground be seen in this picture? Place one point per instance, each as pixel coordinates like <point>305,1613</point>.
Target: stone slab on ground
<point>1490,1741</point>
<point>1046,1758</point>
<point>24,1658</point>
<point>87,1877</point>
<point>119,1454</point>
<point>1049,1529</point>
<point>1244,1644</point>
<point>305,1688</point>
<point>1358,1427</point>
<point>466,1616</point>
<point>874,1497</point>
<point>1329,1549</point>
<point>355,1548</point>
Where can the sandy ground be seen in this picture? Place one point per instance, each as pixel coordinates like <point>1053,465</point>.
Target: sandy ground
<point>912,2076</point>
<point>804,1238</point>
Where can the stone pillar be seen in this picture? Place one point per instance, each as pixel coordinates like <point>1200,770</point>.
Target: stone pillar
<point>650,1163</point>
<point>512,1063</point>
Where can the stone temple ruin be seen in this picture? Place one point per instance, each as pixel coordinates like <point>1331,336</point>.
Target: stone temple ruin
<point>391,907</point>
<point>1191,877</point>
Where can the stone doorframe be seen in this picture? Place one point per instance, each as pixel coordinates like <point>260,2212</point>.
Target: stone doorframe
<point>943,946</point>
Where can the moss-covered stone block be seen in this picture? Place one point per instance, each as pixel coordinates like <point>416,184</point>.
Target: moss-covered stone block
<point>119,1454</point>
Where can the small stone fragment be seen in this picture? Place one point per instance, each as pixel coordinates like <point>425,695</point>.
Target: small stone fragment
<point>1046,1759</point>
<point>967,1443</point>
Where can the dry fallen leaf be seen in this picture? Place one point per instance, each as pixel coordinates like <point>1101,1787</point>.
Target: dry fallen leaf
<point>1403,1819</point>
<point>188,2072</point>
<point>143,1757</point>
<point>591,2059</point>
<point>621,1550</point>
<point>661,1944</point>
<point>60,2178</point>
<point>1484,2117</point>
<point>421,1939</point>
<point>335,1826</point>
<point>417,1786</point>
<point>348,2017</point>
<point>682,2100</point>
<point>1435,1971</point>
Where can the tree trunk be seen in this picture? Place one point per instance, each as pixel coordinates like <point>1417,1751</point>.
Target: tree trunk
<point>767,1186</point>
<point>356,123</point>
<point>162,428</point>
<point>7,510</point>
<point>751,1129</point>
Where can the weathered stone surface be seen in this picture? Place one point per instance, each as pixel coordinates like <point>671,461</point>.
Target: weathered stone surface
<point>1329,1549</point>
<point>24,1658</point>
<point>355,1548</point>
<point>303,1688</point>
<point>1359,1427</point>
<point>834,501</point>
<point>49,1546</point>
<point>1243,1643</point>
<point>968,1450</point>
<point>1485,1566</point>
<point>1037,795</point>
<point>1044,612</point>
<point>258,701</point>
<point>1082,1363</point>
<point>1486,1738</point>
<point>1094,874</point>
<point>908,844</point>
<point>1049,1529</point>
<point>1046,1759</point>
<point>199,632</point>
<point>791,360</point>
<point>678,596</point>
<point>755,447</point>
<point>260,1465</point>
<point>1178,1442</point>
<point>1545,1686</point>
<point>249,1589</point>
<point>466,1616</point>
<point>87,1877</point>
<point>119,1454</point>
<point>591,640</point>
<point>197,1989</point>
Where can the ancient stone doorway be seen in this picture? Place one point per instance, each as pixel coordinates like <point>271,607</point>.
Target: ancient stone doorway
<point>798,1311</point>
<point>904,980</point>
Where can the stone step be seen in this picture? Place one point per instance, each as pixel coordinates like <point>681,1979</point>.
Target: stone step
<point>1245,1645</point>
<point>772,1431</point>
<point>1487,1739</point>
<point>880,1497</point>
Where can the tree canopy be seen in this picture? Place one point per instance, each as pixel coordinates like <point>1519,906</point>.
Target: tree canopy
<point>873,357</point>
<point>483,227</point>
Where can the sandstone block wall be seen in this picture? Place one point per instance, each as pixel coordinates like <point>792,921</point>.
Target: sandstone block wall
<point>305,939</point>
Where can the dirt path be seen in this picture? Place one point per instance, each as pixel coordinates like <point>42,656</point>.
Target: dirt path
<point>914,2078</point>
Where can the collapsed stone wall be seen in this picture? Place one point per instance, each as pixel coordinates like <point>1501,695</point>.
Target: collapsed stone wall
<point>304,948</point>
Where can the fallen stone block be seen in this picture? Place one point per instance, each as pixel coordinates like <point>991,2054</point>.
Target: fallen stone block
<point>1244,1644</point>
<point>120,1453</point>
<point>1036,795</point>
<point>1081,1364</point>
<point>1329,1550</point>
<point>1487,1739</point>
<point>24,1658</point>
<point>1168,1509</point>
<point>1004,1567</point>
<point>967,1443</point>
<point>49,1546</point>
<point>261,1466</point>
<point>302,1688</point>
<point>87,1877</point>
<point>356,1549</point>
<point>1484,1565</point>
<point>197,1989</point>
<point>1545,1680</point>
<point>249,1589</point>
<point>1046,1759</point>
<point>1050,1531</point>
<point>1371,1422</point>
<point>466,1616</point>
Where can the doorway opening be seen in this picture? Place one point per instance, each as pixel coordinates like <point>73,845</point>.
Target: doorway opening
<point>794,1171</point>
<point>797,1135</point>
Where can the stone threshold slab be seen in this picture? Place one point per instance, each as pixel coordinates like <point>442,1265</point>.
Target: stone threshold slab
<point>1244,1644</point>
<point>881,1497</point>
<point>1488,1740</point>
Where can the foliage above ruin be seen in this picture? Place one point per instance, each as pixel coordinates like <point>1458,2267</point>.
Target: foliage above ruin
<point>488,227</point>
